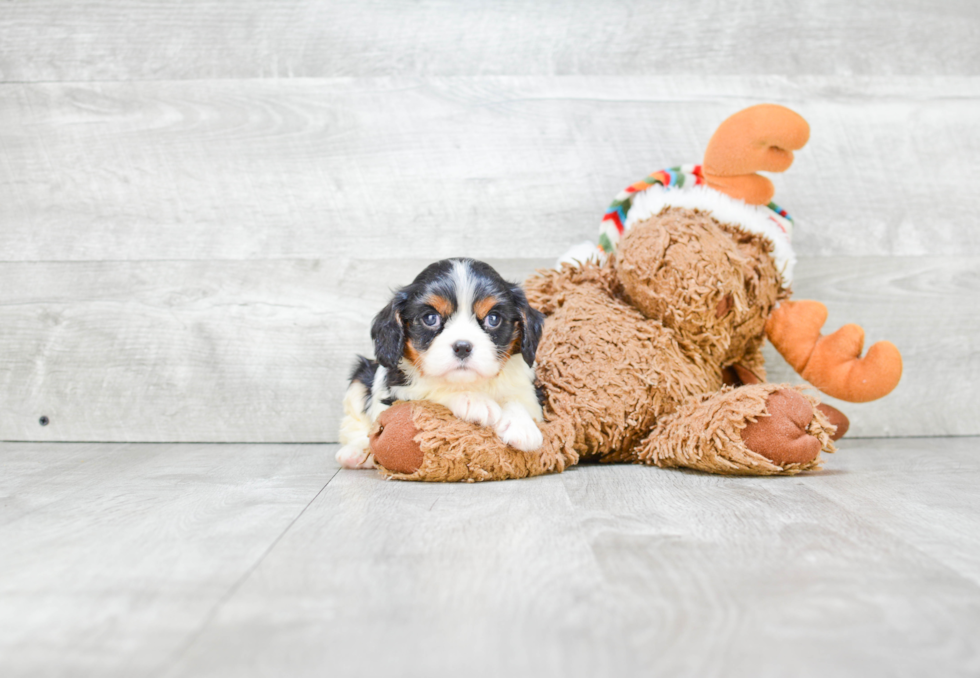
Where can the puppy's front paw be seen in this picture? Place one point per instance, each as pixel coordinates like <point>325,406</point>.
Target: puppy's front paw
<point>517,429</point>
<point>355,455</point>
<point>475,408</point>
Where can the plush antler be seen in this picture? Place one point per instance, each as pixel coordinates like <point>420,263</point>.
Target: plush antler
<point>758,138</point>
<point>832,363</point>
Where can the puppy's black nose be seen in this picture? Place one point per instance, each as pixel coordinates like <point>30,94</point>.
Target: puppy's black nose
<point>462,349</point>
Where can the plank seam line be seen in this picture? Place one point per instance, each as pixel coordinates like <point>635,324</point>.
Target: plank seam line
<point>940,257</point>
<point>180,653</point>
<point>32,441</point>
<point>416,81</point>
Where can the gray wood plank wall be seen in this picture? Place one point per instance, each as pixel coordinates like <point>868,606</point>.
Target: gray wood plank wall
<point>203,204</point>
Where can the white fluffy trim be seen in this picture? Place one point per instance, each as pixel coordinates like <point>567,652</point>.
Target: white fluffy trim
<point>753,218</point>
<point>581,253</point>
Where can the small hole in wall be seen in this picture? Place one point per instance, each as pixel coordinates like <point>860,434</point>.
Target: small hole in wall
<point>44,421</point>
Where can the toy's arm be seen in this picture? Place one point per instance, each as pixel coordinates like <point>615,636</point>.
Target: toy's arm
<point>420,440</point>
<point>832,363</point>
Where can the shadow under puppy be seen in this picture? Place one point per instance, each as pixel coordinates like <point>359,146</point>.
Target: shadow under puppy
<point>461,336</point>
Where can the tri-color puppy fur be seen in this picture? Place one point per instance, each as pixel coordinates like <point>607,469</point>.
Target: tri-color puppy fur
<point>459,335</point>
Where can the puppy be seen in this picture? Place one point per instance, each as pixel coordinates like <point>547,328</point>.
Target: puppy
<point>461,336</point>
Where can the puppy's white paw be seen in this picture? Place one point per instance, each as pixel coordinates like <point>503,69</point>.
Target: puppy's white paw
<point>475,408</point>
<point>355,455</point>
<point>517,429</point>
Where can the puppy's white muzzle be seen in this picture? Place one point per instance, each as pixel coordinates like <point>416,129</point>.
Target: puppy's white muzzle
<point>462,353</point>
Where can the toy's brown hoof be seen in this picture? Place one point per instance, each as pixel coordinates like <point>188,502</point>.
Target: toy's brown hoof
<point>837,418</point>
<point>393,440</point>
<point>781,436</point>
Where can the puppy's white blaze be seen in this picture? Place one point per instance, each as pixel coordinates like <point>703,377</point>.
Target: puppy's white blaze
<point>439,360</point>
<point>464,286</point>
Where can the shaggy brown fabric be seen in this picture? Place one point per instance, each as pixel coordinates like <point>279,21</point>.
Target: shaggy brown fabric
<point>655,356</point>
<point>456,450</point>
<point>632,362</point>
<point>682,265</point>
<point>706,434</point>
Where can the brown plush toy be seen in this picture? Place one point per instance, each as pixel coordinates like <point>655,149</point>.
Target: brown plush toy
<point>651,351</point>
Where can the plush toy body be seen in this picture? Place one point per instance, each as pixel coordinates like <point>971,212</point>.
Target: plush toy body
<point>652,354</point>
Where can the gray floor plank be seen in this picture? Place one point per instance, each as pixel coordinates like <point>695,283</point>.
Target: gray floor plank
<point>924,493</point>
<point>148,39</point>
<point>486,167</point>
<point>621,571</point>
<point>113,555</point>
<point>236,560</point>
<point>220,351</point>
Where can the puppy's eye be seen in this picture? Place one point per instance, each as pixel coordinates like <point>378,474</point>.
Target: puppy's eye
<point>492,320</point>
<point>431,320</point>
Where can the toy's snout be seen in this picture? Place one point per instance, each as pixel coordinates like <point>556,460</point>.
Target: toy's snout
<point>832,363</point>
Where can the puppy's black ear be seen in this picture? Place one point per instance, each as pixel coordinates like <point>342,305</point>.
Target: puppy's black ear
<point>532,322</point>
<point>388,333</point>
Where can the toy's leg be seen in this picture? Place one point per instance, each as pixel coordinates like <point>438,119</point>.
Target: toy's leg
<point>762,429</point>
<point>751,370</point>
<point>420,440</point>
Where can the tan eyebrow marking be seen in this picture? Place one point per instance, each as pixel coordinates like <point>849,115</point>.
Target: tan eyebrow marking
<point>442,305</point>
<point>484,306</point>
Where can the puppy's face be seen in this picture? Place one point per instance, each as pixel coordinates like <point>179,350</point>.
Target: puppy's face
<point>458,321</point>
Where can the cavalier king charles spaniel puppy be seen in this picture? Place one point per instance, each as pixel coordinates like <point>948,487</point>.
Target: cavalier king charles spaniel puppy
<point>460,336</point>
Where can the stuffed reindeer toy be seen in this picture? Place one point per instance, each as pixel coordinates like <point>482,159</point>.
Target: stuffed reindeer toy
<point>651,347</point>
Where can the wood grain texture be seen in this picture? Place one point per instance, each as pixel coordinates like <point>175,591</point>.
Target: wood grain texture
<point>221,560</point>
<point>47,40</point>
<point>489,167</point>
<point>926,307</point>
<point>259,351</point>
<point>210,351</point>
<point>114,555</point>
<point>623,571</point>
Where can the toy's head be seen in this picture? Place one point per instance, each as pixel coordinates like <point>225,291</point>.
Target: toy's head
<point>718,280</point>
<point>714,285</point>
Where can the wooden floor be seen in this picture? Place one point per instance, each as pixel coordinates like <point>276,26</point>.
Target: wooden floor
<point>238,560</point>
